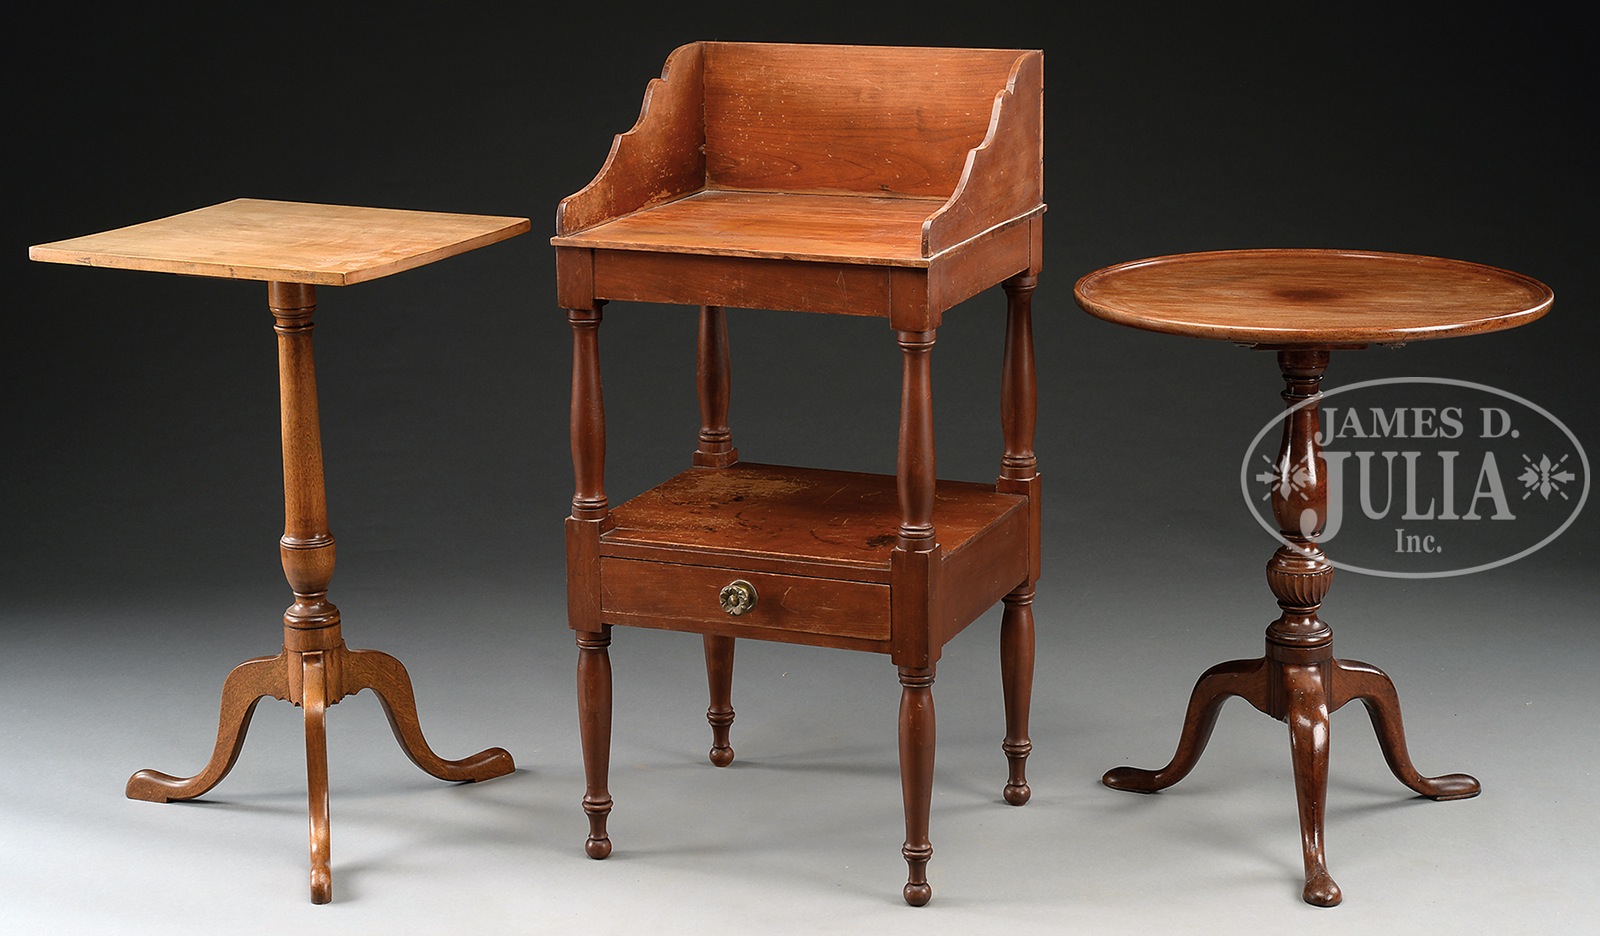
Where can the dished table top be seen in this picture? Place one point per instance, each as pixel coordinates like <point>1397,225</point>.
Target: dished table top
<point>1312,297</point>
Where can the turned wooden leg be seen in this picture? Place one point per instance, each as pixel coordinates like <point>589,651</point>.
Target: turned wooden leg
<point>1019,474</point>
<point>1354,680</point>
<point>1016,680</point>
<point>916,778</point>
<point>594,730</point>
<point>1243,678</point>
<point>589,512</point>
<point>713,383</point>
<point>389,681</point>
<point>719,675</point>
<point>314,683</point>
<point>1307,699</point>
<point>245,686</point>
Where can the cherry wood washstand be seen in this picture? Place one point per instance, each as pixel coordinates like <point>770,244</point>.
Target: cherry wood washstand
<point>1304,304</point>
<point>296,247</point>
<point>890,182</point>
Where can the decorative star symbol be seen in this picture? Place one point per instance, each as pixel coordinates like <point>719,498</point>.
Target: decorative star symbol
<point>1545,477</point>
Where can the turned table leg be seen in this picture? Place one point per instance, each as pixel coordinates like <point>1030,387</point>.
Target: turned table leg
<point>1019,474</point>
<point>1298,680</point>
<point>714,384</point>
<point>916,551</point>
<point>1016,680</point>
<point>719,678</point>
<point>594,732</point>
<point>590,513</point>
<point>916,778</point>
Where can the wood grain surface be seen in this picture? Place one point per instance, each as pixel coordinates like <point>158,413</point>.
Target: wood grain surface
<point>286,242</point>
<point>1312,297</point>
<point>862,119</point>
<point>797,516</point>
<point>877,231</point>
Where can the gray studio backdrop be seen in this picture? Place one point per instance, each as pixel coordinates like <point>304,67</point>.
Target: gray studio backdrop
<point>141,483</point>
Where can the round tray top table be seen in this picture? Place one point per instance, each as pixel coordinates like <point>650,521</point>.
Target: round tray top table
<point>1304,304</point>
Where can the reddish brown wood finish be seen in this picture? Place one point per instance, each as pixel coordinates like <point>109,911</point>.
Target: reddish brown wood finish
<point>793,608</point>
<point>767,518</point>
<point>850,121</point>
<point>594,720</point>
<point>1019,475</point>
<point>914,472</point>
<point>1298,681</point>
<point>714,378</point>
<point>588,418</point>
<point>916,777</point>
<point>850,180</point>
<point>1312,298</point>
<point>1303,303</point>
<point>1016,680</point>
<point>661,158</point>
<point>719,677</point>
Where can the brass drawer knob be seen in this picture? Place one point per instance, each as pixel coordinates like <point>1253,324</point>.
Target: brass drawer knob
<point>737,597</point>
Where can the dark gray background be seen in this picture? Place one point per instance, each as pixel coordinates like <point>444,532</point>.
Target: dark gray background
<point>141,475</point>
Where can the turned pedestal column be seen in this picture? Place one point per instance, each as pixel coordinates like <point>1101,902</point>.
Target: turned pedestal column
<point>1298,681</point>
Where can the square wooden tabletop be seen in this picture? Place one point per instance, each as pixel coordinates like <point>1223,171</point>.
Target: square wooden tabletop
<point>286,242</point>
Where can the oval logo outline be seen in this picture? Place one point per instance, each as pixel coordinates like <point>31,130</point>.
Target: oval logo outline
<point>1583,458</point>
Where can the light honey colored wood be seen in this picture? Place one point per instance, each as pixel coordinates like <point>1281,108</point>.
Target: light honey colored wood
<point>296,247</point>
<point>1315,298</point>
<point>286,242</point>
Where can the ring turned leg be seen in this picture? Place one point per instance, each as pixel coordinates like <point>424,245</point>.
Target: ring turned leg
<point>594,730</point>
<point>1016,680</point>
<point>719,675</point>
<point>916,778</point>
<point>1019,474</point>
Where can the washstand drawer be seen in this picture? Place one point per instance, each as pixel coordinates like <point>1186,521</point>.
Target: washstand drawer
<point>684,597</point>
